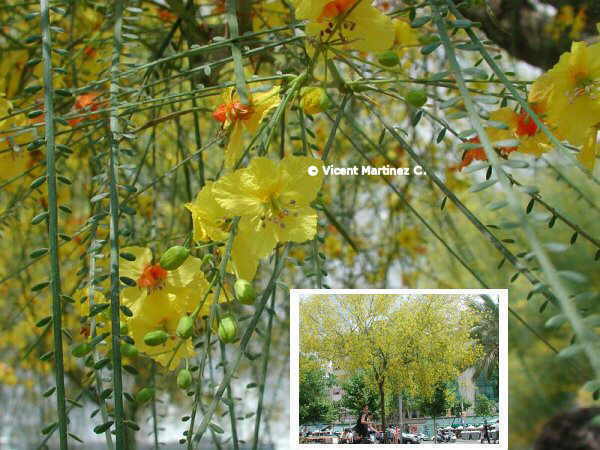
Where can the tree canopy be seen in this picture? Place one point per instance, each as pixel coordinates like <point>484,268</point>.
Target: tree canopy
<point>401,343</point>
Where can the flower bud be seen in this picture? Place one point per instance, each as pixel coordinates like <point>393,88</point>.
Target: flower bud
<point>80,350</point>
<point>244,291</point>
<point>185,327</point>
<point>314,100</point>
<point>124,328</point>
<point>144,395</point>
<point>154,338</point>
<point>228,329</point>
<point>184,379</point>
<point>388,58</point>
<point>416,97</point>
<point>174,257</point>
<point>129,350</point>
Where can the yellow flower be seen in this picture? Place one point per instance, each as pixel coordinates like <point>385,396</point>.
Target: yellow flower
<point>237,117</point>
<point>571,89</point>
<point>357,24</point>
<point>160,299</point>
<point>209,220</point>
<point>273,201</point>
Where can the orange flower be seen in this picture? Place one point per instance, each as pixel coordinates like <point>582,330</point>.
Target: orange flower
<point>152,277</point>
<point>90,51</point>
<point>478,153</point>
<point>165,15</point>
<point>86,103</point>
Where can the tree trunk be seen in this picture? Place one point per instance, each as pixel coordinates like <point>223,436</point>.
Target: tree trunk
<point>382,405</point>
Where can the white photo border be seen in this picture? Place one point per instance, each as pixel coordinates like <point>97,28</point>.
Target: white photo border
<point>295,352</point>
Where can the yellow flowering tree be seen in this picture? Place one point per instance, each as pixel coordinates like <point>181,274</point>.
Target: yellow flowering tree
<point>404,344</point>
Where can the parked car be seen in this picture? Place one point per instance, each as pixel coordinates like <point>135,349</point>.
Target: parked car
<point>409,438</point>
<point>423,437</point>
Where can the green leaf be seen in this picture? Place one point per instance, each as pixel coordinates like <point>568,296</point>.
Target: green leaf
<point>102,428</point>
<point>483,185</point>
<point>216,428</point>
<point>499,204</point>
<point>420,21</point>
<point>556,321</point>
<point>570,351</point>
<point>426,50</point>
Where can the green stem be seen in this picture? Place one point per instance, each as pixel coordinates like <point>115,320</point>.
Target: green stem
<point>53,225</point>
<point>265,366</point>
<point>154,417</point>
<point>119,414</point>
<point>236,53</point>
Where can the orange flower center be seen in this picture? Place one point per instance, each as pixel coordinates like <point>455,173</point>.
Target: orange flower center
<point>153,277</point>
<point>335,8</point>
<point>90,51</point>
<point>525,125</point>
<point>233,111</point>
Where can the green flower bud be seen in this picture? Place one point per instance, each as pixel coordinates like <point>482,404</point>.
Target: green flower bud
<point>129,350</point>
<point>416,97</point>
<point>154,338</point>
<point>80,350</point>
<point>388,58</point>
<point>185,327</point>
<point>174,257</point>
<point>244,291</point>
<point>184,379</point>
<point>144,395</point>
<point>228,329</point>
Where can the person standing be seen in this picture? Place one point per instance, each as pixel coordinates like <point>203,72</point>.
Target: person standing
<point>362,424</point>
<point>486,433</point>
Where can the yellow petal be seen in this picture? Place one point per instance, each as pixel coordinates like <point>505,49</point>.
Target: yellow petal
<point>235,145</point>
<point>587,156</point>
<point>134,269</point>
<point>300,228</point>
<point>300,186</point>
<point>242,192</point>
<point>208,218</point>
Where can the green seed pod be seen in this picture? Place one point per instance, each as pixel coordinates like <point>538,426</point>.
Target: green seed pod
<point>129,350</point>
<point>416,97</point>
<point>144,395</point>
<point>228,329</point>
<point>388,58</point>
<point>244,291</point>
<point>174,257</point>
<point>184,379</point>
<point>185,327</point>
<point>154,338</point>
<point>80,350</point>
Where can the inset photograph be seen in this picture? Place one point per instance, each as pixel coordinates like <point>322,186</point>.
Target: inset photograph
<point>394,367</point>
